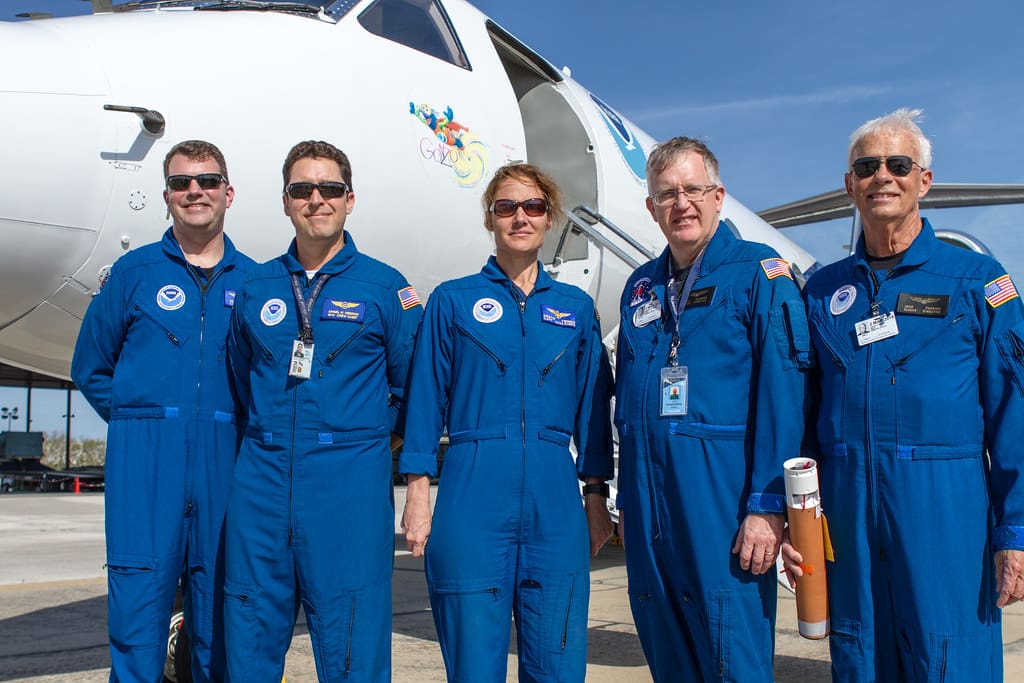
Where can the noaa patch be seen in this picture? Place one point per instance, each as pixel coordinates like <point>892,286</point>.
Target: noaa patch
<point>842,299</point>
<point>170,297</point>
<point>229,298</point>
<point>552,315</point>
<point>353,311</point>
<point>273,312</point>
<point>641,288</point>
<point>487,311</point>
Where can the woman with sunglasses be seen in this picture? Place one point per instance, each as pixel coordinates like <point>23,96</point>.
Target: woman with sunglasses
<point>511,363</point>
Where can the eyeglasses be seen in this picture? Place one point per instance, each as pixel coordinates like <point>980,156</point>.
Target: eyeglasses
<point>899,165</point>
<point>328,190</point>
<point>206,181</point>
<point>503,208</point>
<point>693,193</point>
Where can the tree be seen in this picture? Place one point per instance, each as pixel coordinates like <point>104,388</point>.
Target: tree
<point>84,452</point>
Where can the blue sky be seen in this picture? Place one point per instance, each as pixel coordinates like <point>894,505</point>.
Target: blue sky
<point>775,89</point>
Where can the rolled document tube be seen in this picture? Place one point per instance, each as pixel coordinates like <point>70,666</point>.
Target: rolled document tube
<point>806,533</point>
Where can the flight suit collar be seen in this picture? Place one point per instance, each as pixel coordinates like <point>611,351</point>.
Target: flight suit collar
<point>171,247</point>
<point>715,253</point>
<point>921,249</point>
<point>339,263</point>
<point>494,273</point>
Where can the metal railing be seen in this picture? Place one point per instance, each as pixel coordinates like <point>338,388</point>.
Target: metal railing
<point>582,220</point>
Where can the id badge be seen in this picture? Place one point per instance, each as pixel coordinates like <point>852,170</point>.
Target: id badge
<point>301,361</point>
<point>647,313</point>
<point>877,328</point>
<point>674,384</point>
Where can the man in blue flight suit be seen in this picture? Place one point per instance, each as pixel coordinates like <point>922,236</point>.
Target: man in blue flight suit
<point>711,372</point>
<point>919,346</point>
<point>150,360</point>
<point>319,349</point>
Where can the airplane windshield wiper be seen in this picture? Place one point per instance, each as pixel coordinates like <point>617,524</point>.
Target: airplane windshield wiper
<point>263,6</point>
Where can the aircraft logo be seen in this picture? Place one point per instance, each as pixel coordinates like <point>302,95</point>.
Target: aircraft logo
<point>487,310</point>
<point>556,317</point>
<point>634,157</point>
<point>170,297</point>
<point>453,145</point>
<point>273,312</point>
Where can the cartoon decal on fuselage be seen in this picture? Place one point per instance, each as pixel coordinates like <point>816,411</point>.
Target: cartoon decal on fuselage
<point>453,144</point>
<point>631,152</point>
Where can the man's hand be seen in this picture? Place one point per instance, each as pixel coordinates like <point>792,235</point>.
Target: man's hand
<point>1009,577</point>
<point>791,560</point>
<point>599,522</point>
<point>416,516</point>
<point>757,542</point>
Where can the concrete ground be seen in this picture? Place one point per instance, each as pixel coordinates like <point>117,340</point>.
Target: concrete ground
<point>53,609</point>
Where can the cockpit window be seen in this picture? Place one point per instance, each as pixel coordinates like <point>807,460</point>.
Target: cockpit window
<point>420,24</point>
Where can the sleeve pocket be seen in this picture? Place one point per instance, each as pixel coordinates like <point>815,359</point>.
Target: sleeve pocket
<point>789,325</point>
<point>1011,348</point>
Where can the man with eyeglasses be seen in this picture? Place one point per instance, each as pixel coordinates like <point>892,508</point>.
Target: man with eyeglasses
<point>150,360</point>
<point>319,347</point>
<point>711,358</point>
<point>920,347</point>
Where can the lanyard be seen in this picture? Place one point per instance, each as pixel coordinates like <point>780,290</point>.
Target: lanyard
<point>676,306</point>
<point>306,327</point>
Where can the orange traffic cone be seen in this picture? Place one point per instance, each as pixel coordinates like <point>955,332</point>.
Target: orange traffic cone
<point>78,485</point>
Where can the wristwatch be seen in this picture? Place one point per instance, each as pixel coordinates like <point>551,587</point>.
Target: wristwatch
<point>600,489</point>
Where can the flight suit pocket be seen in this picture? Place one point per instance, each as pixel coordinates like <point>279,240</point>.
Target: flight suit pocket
<point>241,626</point>
<point>719,630</point>
<point>133,596</point>
<point>847,649</point>
<point>789,327</point>
<point>1011,348</point>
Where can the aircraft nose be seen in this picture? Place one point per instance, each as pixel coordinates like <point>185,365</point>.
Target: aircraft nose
<point>55,184</point>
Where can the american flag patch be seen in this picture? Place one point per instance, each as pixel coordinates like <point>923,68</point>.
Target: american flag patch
<point>409,298</point>
<point>999,291</point>
<point>774,267</point>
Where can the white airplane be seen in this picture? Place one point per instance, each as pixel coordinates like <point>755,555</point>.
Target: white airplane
<point>427,97</point>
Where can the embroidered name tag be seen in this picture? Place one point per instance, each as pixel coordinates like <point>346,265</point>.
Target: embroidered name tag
<point>554,316</point>
<point>701,297</point>
<point>333,309</point>
<point>928,305</point>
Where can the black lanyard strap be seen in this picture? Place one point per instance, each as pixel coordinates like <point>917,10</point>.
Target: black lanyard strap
<point>305,324</point>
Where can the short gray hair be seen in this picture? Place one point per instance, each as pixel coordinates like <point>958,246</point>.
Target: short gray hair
<point>902,119</point>
<point>664,154</point>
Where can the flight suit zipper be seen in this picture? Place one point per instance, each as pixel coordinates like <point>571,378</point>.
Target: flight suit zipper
<point>906,359</point>
<point>483,347</point>
<point>170,335</point>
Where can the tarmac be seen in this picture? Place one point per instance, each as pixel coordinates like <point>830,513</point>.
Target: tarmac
<point>53,609</point>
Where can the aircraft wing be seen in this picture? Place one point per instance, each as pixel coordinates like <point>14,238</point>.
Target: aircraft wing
<point>837,204</point>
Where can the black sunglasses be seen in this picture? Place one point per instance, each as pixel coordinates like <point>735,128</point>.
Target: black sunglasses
<point>899,165</point>
<point>206,181</point>
<point>328,190</point>
<point>503,208</point>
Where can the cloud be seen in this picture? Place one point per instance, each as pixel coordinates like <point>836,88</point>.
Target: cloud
<point>836,95</point>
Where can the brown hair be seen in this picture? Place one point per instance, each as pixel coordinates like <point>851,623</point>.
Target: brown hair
<point>318,149</point>
<point>527,173</point>
<point>197,150</point>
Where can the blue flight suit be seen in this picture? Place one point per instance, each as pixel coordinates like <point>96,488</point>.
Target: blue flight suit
<point>513,378</point>
<point>915,507</point>
<point>311,516</point>
<point>150,359</point>
<point>687,482</point>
